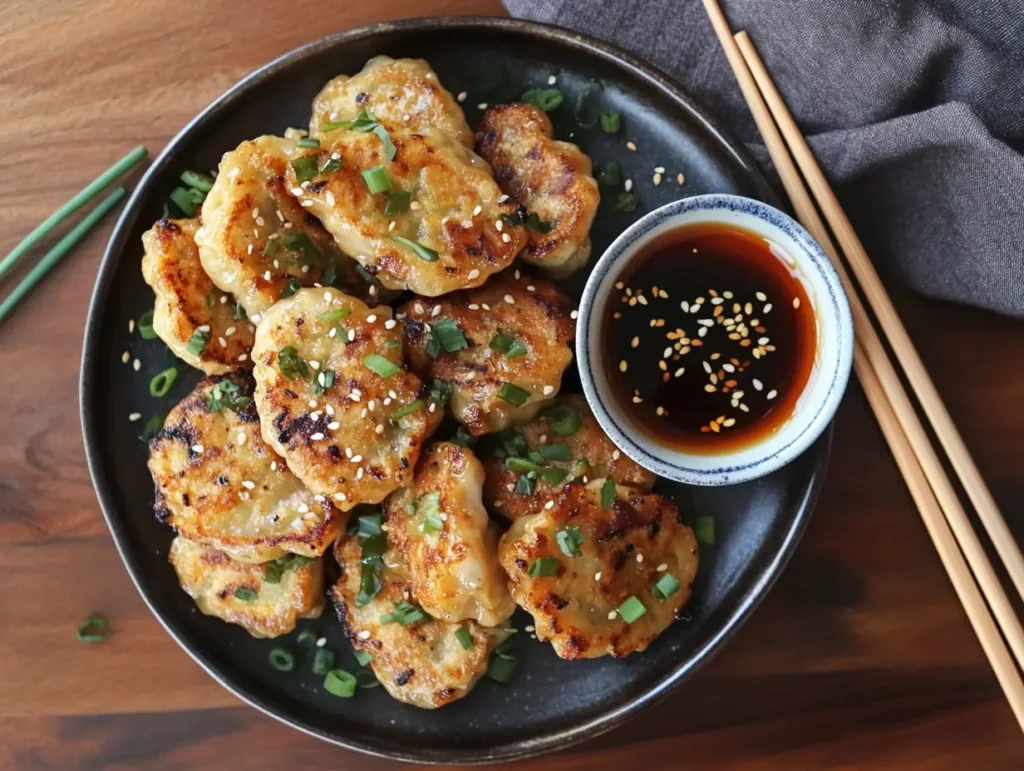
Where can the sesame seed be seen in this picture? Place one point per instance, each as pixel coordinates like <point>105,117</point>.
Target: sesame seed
<point>639,557</point>
<point>364,635</point>
<point>334,425</point>
<point>659,169</point>
<point>616,455</point>
<point>351,335</point>
<point>710,388</point>
<point>329,196</point>
<point>273,465</point>
<point>761,296</point>
<point>660,411</point>
<point>136,365</point>
<point>656,179</point>
<point>796,302</point>
<point>248,485</point>
<point>631,145</point>
<point>679,372</point>
<point>729,422</point>
<point>333,332</point>
<point>126,357</point>
<point>680,178</point>
<point>316,437</point>
<point>611,616</point>
<point>549,505</point>
<point>379,429</point>
<point>473,274</point>
<point>314,364</point>
<point>506,238</point>
<point>510,299</point>
<point>135,416</point>
<point>131,326</point>
<point>772,394</point>
<point>623,366</point>
<point>296,191</point>
<point>548,390</point>
<point>340,496</point>
<point>574,315</point>
<point>628,185</point>
<point>485,306</point>
<point>240,439</point>
<point>197,449</point>
<point>662,567</point>
<point>482,106</point>
<point>390,324</point>
<point>552,80</point>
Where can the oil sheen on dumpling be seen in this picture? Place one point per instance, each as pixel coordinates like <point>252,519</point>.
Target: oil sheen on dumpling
<point>217,482</point>
<point>197,321</point>
<point>447,543</point>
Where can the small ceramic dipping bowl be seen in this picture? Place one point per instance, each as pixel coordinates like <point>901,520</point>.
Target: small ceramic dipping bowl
<point>812,408</point>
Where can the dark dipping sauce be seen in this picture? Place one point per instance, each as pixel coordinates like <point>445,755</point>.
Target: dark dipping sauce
<point>710,339</point>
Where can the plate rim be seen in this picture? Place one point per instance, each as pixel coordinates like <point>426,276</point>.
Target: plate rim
<point>91,431</point>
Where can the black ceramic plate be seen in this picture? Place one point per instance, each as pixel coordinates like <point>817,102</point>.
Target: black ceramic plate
<point>550,703</point>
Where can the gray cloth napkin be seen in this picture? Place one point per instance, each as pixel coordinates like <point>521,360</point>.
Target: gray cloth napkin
<point>914,109</point>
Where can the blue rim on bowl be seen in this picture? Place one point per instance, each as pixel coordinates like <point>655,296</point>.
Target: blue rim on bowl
<point>833,357</point>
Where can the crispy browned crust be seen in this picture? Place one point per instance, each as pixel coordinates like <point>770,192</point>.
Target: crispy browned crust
<point>571,608</point>
<point>454,572</point>
<point>540,315</point>
<point>422,664</point>
<point>187,301</point>
<point>199,462</point>
<point>589,442</point>
<point>548,177</point>
<point>212,579</point>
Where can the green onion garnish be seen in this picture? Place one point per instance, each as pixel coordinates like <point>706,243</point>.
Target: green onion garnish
<point>551,452</point>
<point>522,465</point>
<point>391,344</point>
<point>152,427</point>
<point>301,242</point>
<point>145,326</point>
<point>370,526</point>
<point>513,394</point>
<point>429,506</point>
<point>463,438</point>
<point>380,366</point>
<point>185,200</point>
<point>290,288</point>
<point>161,383</point>
<point>608,493</point>
<point>363,657</point>
<point>464,637</point>
<point>507,345</point>
<point>423,252</point>
<point>309,142</point>
<point>332,165</point>
<point>665,586</point>
<point>531,222</point>
<point>524,485</point>
<point>385,138</point>
<point>377,179</point>
<point>608,174</point>
<point>93,629</point>
<point>626,202</point>
<point>282,659</point>
<point>448,334</point>
<point>563,419</point>
<point>292,365</point>
<point>503,663</point>
<point>323,661</point>
<point>611,122</point>
<point>272,248</point>
<point>334,316</point>
<point>307,637</point>
<point>553,476</point>
<point>704,528</point>
<point>305,168</point>
<point>245,594</point>
<point>440,391</point>
<point>201,182</point>
<point>374,543</point>
<point>543,566</point>
<point>407,409</point>
<point>397,202</point>
<point>340,683</point>
<point>404,614</point>
<point>586,107</point>
<point>211,299</point>
<point>226,394</point>
<point>547,99</point>
<point>197,343</point>
<point>570,540</point>
<point>631,610</point>
<point>240,314</point>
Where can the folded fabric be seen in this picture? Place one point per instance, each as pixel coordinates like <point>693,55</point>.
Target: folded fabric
<point>915,110</point>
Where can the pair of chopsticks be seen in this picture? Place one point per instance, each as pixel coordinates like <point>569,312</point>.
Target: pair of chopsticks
<point>959,549</point>
<point>73,236</point>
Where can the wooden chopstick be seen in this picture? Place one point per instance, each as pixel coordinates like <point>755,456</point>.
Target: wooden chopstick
<point>83,197</point>
<point>862,267</point>
<point>869,359</point>
<point>60,249</point>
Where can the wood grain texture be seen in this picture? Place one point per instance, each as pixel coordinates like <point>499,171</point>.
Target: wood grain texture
<point>859,658</point>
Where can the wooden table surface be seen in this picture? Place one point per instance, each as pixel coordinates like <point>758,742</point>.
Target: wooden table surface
<point>860,658</point>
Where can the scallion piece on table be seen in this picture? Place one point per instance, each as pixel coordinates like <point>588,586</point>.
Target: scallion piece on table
<point>626,202</point>
<point>513,394</point>
<point>161,383</point>
<point>93,629</point>
<point>307,637</point>
<point>380,366</point>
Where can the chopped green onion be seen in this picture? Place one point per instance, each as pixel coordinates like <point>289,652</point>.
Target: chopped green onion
<point>547,99</point>
<point>501,667</point>
<point>429,506</point>
<point>522,465</point>
<point>404,614</point>
<point>563,419</point>
<point>513,394</point>
<point>524,485</point>
<point>152,427</point>
<point>290,288</point>
<point>301,242</point>
<point>211,299</point>
<point>665,586</point>
<point>463,438</point>
<point>245,594</point>
<point>608,493</point>
<point>391,344</point>
<point>93,629</point>
<point>145,326</point>
<point>535,456</point>
<point>587,115</point>
<point>631,610</point>
<point>570,540</point>
<point>377,179</point>
<point>397,202</point>
<point>322,381</point>
<point>448,334</point>
<point>551,452</point>
<point>309,142</point>
<point>374,543</point>
<point>197,343</point>
<point>611,122</point>
<point>185,200</point>
<point>543,566</point>
<point>292,365</point>
<point>334,316</point>
<point>323,661</point>
<point>282,659</point>
<point>161,383</point>
<point>363,657</point>
<point>423,252</point>
<point>332,165</point>
<point>440,391</point>
<point>305,168</point>
<point>532,222</point>
<point>464,637</point>
<point>513,442</point>
<point>704,528</point>
<point>272,248</point>
<point>407,409</point>
<point>385,138</point>
<point>626,202</point>
<point>226,394</point>
<point>608,174</point>
<point>240,314</point>
<point>340,683</point>
<point>553,476</point>
<point>370,526</point>
<point>505,344</point>
<point>201,182</point>
<point>377,364</point>
<point>307,637</point>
